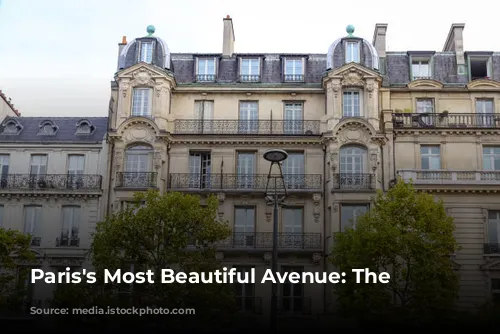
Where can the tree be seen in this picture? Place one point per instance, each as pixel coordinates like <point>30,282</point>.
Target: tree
<point>14,249</point>
<point>173,231</point>
<point>409,235</point>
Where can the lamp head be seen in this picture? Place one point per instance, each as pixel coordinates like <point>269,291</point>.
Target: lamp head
<point>275,155</point>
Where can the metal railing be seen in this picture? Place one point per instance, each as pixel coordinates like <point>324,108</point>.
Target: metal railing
<point>243,181</point>
<point>67,242</point>
<point>249,78</point>
<point>50,182</point>
<point>248,127</point>
<point>205,77</point>
<point>264,240</point>
<point>491,248</point>
<point>445,120</point>
<point>293,77</point>
<point>354,181</point>
<point>429,176</point>
<point>136,179</point>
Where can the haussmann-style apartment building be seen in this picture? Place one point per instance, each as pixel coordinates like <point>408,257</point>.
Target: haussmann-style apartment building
<point>352,120</point>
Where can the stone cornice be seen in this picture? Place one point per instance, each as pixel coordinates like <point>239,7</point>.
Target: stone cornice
<point>246,141</point>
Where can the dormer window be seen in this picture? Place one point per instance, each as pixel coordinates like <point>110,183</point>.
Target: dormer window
<point>420,69</point>
<point>205,69</point>
<point>146,52</point>
<point>352,52</point>
<point>47,128</point>
<point>294,69</point>
<point>479,67</point>
<point>11,127</point>
<point>250,70</point>
<point>84,127</point>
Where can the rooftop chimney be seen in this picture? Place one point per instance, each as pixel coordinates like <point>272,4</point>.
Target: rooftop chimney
<point>379,39</point>
<point>228,37</point>
<point>455,43</point>
<point>120,48</point>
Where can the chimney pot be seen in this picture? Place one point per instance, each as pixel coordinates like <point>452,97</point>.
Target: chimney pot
<point>124,40</point>
<point>228,17</point>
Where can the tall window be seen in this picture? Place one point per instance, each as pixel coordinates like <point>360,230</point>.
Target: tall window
<point>351,104</point>
<point>349,213</point>
<point>206,69</point>
<point>294,170</point>
<point>430,156</point>
<point>32,221</point>
<point>420,69</point>
<point>4,170</point>
<point>250,69</point>
<point>138,164</point>
<point>249,117</point>
<point>485,112</point>
<point>352,52</point>
<point>294,69</point>
<point>495,290</point>
<point>244,227</point>
<point>147,52</point>
<point>246,170</point>
<point>425,107</point>
<point>200,165</point>
<point>70,226</point>
<point>76,166</point>
<point>38,164</point>
<point>293,118</point>
<point>491,158</point>
<point>292,226</point>
<point>142,102</point>
<point>494,231</point>
<point>245,292</point>
<point>353,167</point>
<point>204,113</point>
<point>292,294</point>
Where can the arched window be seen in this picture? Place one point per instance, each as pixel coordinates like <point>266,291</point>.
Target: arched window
<point>138,167</point>
<point>353,167</point>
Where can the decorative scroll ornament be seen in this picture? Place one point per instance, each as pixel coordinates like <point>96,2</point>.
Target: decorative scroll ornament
<point>317,209</point>
<point>143,77</point>
<point>353,78</point>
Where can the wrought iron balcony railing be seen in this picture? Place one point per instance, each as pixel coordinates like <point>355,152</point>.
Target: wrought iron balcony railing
<point>249,304</point>
<point>457,177</point>
<point>242,182</point>
<point>293,77</point>
<point>446,120</point>
<point>50,182</point>
<point>264,240</point>
<point>249,78</point>
<point>68,242</point>
<point>491,248</point>
<point>248,127</point>
<point>294,304</point>
<point>36,241</point>
<point>354,181</point>
<point>205,77</point>
<point>136,179</point>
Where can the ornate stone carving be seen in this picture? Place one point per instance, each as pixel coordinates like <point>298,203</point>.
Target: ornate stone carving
<point>269,213</point>
<point>353,133</point>
<point>369,88</point>
<point>317,209</point>
<point>143,77</point>
<point>219,256</point>
<point>221,197</point>
<point>161,88</point>
<point>268,257</point>
<point>336,89</point>
<point>159,158</point>
<point>334,161</point>
<point>353,78</point>
<point>118,159</point>
<point>335,207</point>
<point>139,132</point>
<point>316,258</point>
<point>374,159</point>
<point>65,262</point>
<point>124,87</point>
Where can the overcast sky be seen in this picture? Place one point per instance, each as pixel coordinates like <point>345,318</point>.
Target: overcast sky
<point>57,57</point>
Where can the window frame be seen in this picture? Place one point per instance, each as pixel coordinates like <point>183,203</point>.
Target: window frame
<point>71,226</point>
<point>351,91</point>
<point>294,77</point>
<point>419,60</point>
<point>149,94</point>
<point>141,58</point>
<point>351,204</point>
<point>491,156</point>
<point>250,77</point>
<point>357,51</point>
<point>422,155</point>
<point>206,77</point>
<point>489,65</point>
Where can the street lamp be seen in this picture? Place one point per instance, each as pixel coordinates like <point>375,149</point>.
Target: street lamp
<point>275,157</point>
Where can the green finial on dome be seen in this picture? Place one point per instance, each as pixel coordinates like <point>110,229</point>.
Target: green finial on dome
<point>350,30</point>
<point>151,30</point>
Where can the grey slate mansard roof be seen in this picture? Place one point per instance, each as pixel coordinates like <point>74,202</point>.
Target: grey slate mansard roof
<point>66,130</point>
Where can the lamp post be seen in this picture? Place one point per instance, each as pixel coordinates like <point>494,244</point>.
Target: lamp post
<point>275,157</point>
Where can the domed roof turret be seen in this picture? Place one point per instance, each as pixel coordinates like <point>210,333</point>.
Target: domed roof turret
<point>149,49</point>
<point>352,49</point>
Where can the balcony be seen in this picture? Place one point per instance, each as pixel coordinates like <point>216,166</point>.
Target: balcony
<point>50,182</point>
<point>249,78</point>
<point>445,121</point>
<point>205,77</point>
<point>492,248</point>
<point>136,180</point>
<point>354,182</point>
<point>446,177</point>
<point>243,183</point>
<point>247,127</point>
<point>67,242</point>
<point>264,241</point>
<point>293,78</point>
<point>249,304</point>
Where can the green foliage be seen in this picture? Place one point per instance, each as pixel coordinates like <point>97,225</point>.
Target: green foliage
<point>14,249</point>
<point>409,235</point>
<point>156,236</point>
